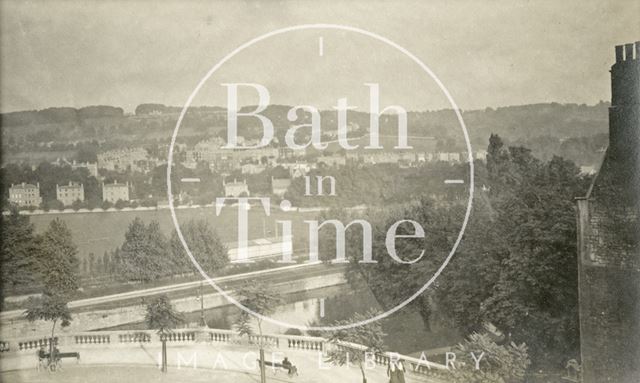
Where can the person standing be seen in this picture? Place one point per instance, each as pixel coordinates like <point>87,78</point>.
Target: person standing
<point>400,367</point>
<point>395,371</point>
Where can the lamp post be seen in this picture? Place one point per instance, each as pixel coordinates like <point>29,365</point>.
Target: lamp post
<point>263,375</point>
<point>203,322</point>
<point>163,339</point>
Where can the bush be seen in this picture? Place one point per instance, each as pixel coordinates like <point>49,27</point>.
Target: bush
<point>149,202</point>
<point>52,204</point>
<point>293,331</point>
<point>497,363</point>
<point>77,205</point>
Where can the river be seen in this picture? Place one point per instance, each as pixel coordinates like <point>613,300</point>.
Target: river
<point>405,330</point>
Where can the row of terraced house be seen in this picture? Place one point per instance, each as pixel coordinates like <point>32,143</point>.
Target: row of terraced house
<point>28,195</point>
<point>255,161</point>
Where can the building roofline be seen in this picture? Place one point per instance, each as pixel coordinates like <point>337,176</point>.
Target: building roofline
<point>595,177</point>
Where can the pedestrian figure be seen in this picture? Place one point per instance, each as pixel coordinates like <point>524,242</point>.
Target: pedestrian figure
<point>400,366</point>
<point>291,369</point>
<point>395,372</point>
<point>42,358</point>
<point>54,360</point>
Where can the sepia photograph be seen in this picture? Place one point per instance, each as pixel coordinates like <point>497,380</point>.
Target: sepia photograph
<point>348,191</point>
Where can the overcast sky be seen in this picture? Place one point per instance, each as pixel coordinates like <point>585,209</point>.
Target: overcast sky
<point>487,53</point>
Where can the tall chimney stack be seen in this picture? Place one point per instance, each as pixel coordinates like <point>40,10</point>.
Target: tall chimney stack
<point>628,51</point>
<point>619,53</point>
<point>624,114</point>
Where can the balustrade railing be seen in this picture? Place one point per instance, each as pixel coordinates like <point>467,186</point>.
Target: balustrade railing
<point>292,342</point>
<point>36,343</point>
<point>265,340</point>
<point>134,337</point>
<point>5,347</point>
<point>306,343</point>
<point>92,338</point>
<point>221,336</point>
<point>181,336</point>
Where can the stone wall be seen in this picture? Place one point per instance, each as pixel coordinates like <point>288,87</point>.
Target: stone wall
<point>609,299</point>
<point>609,240</point>
<point>98,319</point>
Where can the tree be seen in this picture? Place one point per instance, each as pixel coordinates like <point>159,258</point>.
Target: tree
<point>87,152</point>
<point>259,298</point>
<point>58,260</point>
<point>517,267</point>
<point>77,205</point>
<point>100,267</point>
<point>293,331</point>
<point>158,247</point>
<point>262,300</point>
<point>163,317</point>
<point>205,246</point>
<point>535,295</point>
<point>390,281</point>
<point>92,264</point>
<point>49,307</point>
<point>497,158</point>
<point>17,247</point>
<point>143,256</point>
<point>58,263</point>
<point>84,267</point>
<point>106,263</point>
<point>345,341</point>
<point>490,362</point>
<point>160,315</point>
<point>52,204</point>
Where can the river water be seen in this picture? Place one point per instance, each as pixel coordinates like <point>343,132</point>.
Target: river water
<point>405,330</point>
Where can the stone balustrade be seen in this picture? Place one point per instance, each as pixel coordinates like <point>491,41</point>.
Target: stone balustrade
<point>413,365</point>
<point>221,336</point>
<point>134,337</point>
<point>32,344</point>
<point>92,338</point>
<point>306,343</point>
<point>97,339</point>
<point>5,347</point>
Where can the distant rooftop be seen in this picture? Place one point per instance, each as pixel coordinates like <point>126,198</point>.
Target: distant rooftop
<point>24,186</point>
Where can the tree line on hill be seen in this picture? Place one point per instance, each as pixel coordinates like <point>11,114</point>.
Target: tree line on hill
<point>59,115</point>
<point>146,109</point>
<point>528,125</point>
<point>586,151</point>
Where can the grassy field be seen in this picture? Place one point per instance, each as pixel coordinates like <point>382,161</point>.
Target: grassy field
<point>100,232</point>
